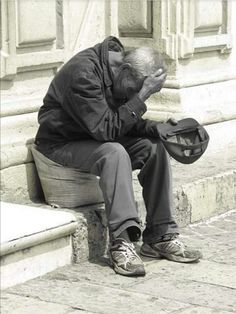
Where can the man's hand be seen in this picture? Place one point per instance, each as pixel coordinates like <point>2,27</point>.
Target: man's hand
<point>172,121</point>
<point>152,84</point>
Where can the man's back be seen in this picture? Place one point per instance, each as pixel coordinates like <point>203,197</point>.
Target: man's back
<point>83,74</point>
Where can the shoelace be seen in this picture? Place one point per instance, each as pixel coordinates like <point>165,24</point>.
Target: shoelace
<point>128,250</point>
<point>178,243</point>
<point>169,237</point>
<point>172,244</point>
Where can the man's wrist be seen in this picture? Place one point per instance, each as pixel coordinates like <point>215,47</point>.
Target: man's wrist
<point>136,106</point>
<point>143,95</point>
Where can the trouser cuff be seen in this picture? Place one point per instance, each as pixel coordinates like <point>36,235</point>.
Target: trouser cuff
<point>133,228</point>
<point>154,233</point>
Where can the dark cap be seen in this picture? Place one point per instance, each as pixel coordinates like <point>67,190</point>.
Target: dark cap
<point>185,141</point>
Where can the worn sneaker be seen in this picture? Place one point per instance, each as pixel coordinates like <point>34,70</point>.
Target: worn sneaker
<point>125,260</point>
<point>173,250</point>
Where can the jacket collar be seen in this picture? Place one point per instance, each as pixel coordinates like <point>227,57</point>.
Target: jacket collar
<point>110,43</point>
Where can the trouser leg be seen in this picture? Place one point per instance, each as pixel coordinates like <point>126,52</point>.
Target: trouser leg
<point>115,171</point>
<point>112,164</point>
<point>155,177</point>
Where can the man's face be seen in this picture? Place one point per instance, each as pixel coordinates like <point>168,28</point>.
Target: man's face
<point>125,83</point>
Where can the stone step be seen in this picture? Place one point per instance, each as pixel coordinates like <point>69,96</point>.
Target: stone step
<point>34,241</point>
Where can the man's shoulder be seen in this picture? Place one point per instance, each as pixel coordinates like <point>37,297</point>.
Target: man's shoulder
<point>84,64</point>
<point>84,61</point>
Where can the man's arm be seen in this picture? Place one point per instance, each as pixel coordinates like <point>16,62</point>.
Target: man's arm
<point>148,128</point>
<point>87,106</point>
<point>151,85</point>
<point>145,128</point>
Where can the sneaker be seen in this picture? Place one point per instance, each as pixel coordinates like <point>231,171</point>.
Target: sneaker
<point>125,260</point>
<point>172,249</point>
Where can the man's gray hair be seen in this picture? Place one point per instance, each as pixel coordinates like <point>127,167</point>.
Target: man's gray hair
<point>145,60</point>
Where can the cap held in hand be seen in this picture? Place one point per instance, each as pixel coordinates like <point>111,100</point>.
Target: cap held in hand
<point>185,141</point>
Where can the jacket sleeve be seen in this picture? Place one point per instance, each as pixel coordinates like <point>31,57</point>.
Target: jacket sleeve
<point>145,128</point>
<point>85,102</point>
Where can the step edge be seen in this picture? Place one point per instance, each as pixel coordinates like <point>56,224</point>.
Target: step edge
<point>206,178</point>
<point>38,238</point>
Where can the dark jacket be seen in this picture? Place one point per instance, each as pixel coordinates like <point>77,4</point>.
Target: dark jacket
<point>79,103</point>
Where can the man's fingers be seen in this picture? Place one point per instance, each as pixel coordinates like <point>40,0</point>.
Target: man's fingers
<point>172,121</point>
<point>158,73</point>
<point>161,77</point>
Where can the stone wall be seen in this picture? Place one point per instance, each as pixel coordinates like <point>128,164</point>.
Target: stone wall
<point>38,36</point>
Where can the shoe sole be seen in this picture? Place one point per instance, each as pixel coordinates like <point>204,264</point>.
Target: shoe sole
<point>123,272</point>
<point>119,270</point>
<point>171,257</point>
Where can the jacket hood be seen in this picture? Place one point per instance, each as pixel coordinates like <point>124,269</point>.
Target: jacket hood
<point>111,43</point>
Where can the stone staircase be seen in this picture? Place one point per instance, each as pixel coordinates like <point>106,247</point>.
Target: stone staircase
<point>34,241</point>
<point>201,190</point>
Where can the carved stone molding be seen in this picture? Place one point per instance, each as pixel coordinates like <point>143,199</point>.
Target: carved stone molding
<point>175,32</point>
<point>178,28</point>
<point>8,39</point>
<point>31,36</point>
<point>189,27</point>
<point>135,18</point>
<point>42,28</point>
<point>213,31</point>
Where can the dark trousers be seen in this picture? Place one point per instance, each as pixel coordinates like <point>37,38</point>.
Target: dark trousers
<point>113,162</point>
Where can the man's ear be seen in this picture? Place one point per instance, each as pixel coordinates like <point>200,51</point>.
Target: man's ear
<point>125,66</point>
<point>125,70</point>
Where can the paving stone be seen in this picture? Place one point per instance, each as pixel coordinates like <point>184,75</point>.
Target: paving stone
<point>15,304</point>
<point>216,248</point>
<point>205,272</point>
<point>226,224</point>
<point>76,311</point>
<point>200,310</point>
<point>98,272</point>
<point>227,256</point>
<point>206,230</point>
<point>215,251</point>
<point>188,291</point>
<point>97,298</point>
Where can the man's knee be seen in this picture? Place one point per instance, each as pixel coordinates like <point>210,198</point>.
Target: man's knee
<point>153,149</point>
<point>115,149</point>
<point>157,146</point>
<point>152,145</point>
